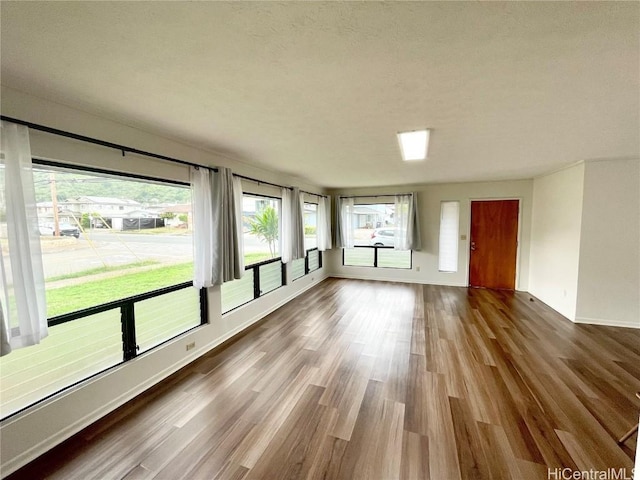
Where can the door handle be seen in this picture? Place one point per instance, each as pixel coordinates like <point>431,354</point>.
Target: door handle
<point>473,246</point>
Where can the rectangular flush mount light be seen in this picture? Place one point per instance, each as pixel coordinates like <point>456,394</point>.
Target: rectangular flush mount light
<point>414,145</point>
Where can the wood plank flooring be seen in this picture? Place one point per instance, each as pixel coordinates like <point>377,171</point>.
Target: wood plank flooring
<point>374,380</point>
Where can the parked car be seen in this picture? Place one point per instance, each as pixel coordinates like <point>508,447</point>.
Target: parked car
<point>382,237</point>
<point>66,230</point>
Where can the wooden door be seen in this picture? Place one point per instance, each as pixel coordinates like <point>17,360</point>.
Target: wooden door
<point>494,244</point>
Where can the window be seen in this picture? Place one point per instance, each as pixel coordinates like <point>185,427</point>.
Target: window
<point>298,268</point>
<point>449,224</point>
<point>374,238</point>
<point>264,272</point>
<point>118,280</point>
<point>310,225</point>
<point>238,292</point>
<point>260,228</point>
<point>313,258</point>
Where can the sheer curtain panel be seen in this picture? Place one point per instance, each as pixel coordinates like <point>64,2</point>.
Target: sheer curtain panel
<point>338,237</point>
<point>227,252</point>
<point>407,228</point>
<point>346,225</point>
<point>237,194</point>
<point>292,225</point>
<point>285,226</point>
<point>297,225</point>
<point>23,311</point>
<point>324,224</point>
<point>203,236</point>
<point>217,235</point>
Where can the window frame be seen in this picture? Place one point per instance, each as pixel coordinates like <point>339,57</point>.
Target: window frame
<point>257,293</point>
<point>126,305</point>
<point>375,257</point>
<point>256,266</point>
<point>272,197</point>
<point>376,247</point>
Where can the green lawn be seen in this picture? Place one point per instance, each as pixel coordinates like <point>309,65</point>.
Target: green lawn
<point>95,292</point>
<point>77,349</point>
<point>76,297</point>
<point>256,257</point>
<point>104,269</point>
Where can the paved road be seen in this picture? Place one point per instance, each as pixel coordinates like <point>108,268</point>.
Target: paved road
<point>84,253</point>
<point>98,236</point>
<point>97,249</point>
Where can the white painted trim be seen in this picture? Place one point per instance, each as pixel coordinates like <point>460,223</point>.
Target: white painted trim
<point>48,443</point>
<point>518,287</point>
<point>375,278</point>
<point>606,323</point>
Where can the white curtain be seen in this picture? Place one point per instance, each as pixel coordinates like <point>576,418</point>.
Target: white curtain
<point>24,318</point>
<point>237,194</point>
<point>347,222</point>
<point>324,224</point>
<point>292,225</point>
<point>297,225</point>
<point>407,227</point>
<point>203,236</point>
<point>217,236</point>
<point>285,226</point>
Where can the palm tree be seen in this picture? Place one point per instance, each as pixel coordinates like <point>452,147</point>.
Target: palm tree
<point>264,225</point>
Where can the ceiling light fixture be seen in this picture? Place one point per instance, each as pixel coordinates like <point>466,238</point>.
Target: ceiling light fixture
<point>414,145</point>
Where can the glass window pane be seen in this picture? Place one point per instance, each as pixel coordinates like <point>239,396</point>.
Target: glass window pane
<point>72,352</point>
<point>161,318</point>
<point>260,228</point>
<point>390,258</point>
<point>314,260</point>
<point>373,224</point>
<point>310,225</point>
<point>297,268</point>
<point>237,292</point>
<point>117,236</point>
<point>270,277</point>
<point>359,257</point>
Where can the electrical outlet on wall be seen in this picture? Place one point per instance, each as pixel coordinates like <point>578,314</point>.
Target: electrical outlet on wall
<point>417,268</point>
<point>191,346</point>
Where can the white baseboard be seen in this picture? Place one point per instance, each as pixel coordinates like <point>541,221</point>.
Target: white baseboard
<point>48,443</point>
<point>394,279</point>
<point>607,323</point>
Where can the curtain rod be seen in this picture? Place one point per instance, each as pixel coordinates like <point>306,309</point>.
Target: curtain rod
<point>374,196</point>
<point>275,184</point>
<point>95,141</point>
<point>124,148</point>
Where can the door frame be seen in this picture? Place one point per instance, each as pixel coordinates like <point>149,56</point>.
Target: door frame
<point>518,239</point>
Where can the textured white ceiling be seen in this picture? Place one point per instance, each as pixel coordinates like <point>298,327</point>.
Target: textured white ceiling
<point>319,90</point>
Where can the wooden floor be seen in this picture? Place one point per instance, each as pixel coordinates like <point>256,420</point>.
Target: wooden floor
<point>374,380</point>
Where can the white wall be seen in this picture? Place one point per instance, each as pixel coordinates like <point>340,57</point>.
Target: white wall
<point>31,433</point>
<point>609,276</point>
<point>555,239</point>
<point>426,260</point>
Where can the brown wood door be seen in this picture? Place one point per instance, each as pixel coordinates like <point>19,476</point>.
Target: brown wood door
<point>494,243</point>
